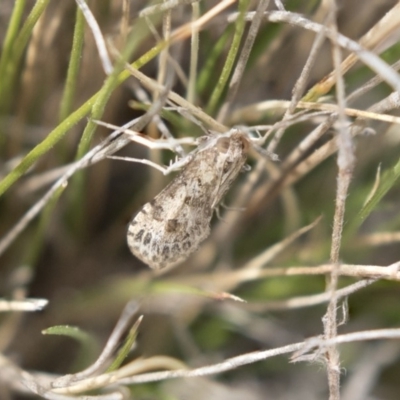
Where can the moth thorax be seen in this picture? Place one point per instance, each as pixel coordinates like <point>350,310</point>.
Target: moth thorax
<point>223,144</point>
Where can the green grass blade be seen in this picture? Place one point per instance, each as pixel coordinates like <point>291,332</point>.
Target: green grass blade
<point>43,147</point>
<point>9,73</point>
<point>126,347</point>
<point>208,71</point>
<point>388,180</point>
<point>73,67</point>
<point>230,59</point>
<point>89,346</point>
<point>11,34</point>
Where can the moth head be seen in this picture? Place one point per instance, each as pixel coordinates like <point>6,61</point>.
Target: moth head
<point>235,141</point>
<point>223,144</point>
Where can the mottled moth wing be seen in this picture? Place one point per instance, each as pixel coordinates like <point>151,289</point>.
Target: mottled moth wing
<point>171,226</point>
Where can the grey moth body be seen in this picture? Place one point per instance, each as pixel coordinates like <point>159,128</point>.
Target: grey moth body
<point>171,226</point>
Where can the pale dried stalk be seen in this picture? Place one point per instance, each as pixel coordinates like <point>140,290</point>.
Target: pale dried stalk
<point>345,163</point>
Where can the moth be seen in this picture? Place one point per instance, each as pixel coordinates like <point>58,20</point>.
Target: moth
<point>171,226</point>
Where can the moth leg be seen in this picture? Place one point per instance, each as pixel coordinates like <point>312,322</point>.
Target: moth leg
<point>160,144</point>
<point>141,161</point>
<point>165,170</point>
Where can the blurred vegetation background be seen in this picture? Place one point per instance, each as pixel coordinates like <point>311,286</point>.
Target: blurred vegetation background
<point>74,252</point>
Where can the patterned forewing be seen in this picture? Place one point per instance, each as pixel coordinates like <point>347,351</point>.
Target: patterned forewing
<point>171,227</point>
